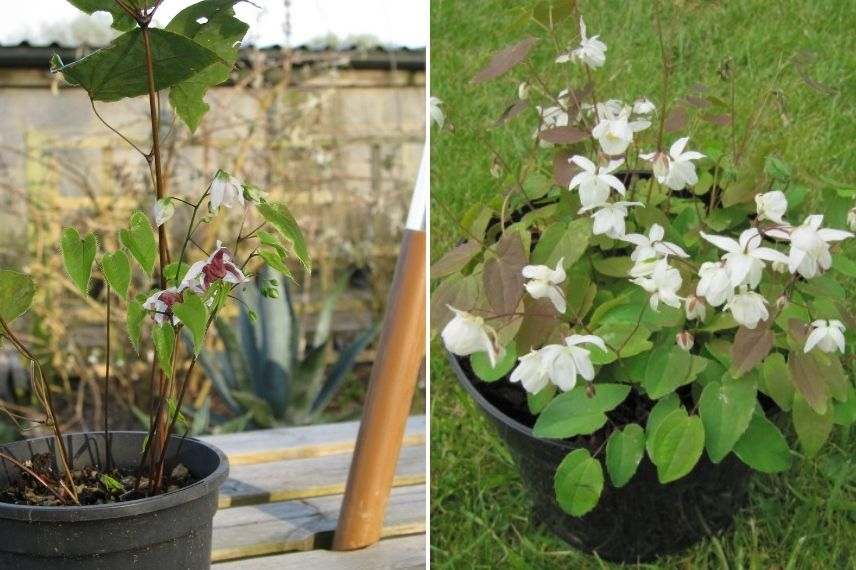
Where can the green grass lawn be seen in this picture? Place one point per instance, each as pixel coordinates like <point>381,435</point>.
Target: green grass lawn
<point>479,510</point>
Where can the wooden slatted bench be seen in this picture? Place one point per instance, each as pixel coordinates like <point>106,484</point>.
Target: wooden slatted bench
<point>280,505</point>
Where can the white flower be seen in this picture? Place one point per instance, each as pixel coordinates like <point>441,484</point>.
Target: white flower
<point>695,308</point>
<point>544,283</point>
<point>851,219</point>
<point>219,265</point>
<point>467,334</point>
<point>685,340</point>
<point>745,259</point>
<point>435,111</point>
<point>592,51</point>
<point>226,190</point>
<point>594,182</point>
<point>164,210</point>
<point>610,219</point>
<point>715,283</point>
<point>660,163</point>
<point>678,171</point>
<point>771,206</point>
<point>161,303</point>
<point>663,284</point>
<point>779,266</point>
<point>643,106</point>
<point>557,363</point>
<point>551,117</point>
<point>748,308</point>
<point>809,253</point>
<point>652,245</point>
<point>614,131</point>
<point>828,336</point>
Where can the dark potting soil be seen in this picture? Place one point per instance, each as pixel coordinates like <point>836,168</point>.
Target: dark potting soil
<point>94,486</point>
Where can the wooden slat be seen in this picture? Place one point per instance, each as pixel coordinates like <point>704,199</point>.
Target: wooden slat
<point>311,477</point>
<point>304,525</point>
<point>301,442</point>
<point>393,553</point>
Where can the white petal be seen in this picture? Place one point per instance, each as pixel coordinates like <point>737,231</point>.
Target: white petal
<point>815,337</point>
<point>678,146</point>
<point>828,234</point>
<point>722,242</point>
<point>584,163</point>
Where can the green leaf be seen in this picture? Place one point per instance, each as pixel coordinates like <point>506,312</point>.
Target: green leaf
<point>628,338</point>
<point>111,484</point>
<point>119,70</point>
<point>175,272</point>
<point>776,380</point>
<point>280,217</point>
<point>624,451</point>
<point>193,315</point>
<point>16,294</point>
<point>163,337</point>
<point>776,168</point>
<point>537,402</point>
<point>677,446</point>
<point>117,270</point>
<point>139,239</point>
<point>77,256</point>
<point>725,410</point>
<point>763,447</point>
<point>121,20</point>
<point>812,428</point>
<point>669,369</point>
<point>213,25</point>
<point>578,482</point>
<point>574,413</point>
<point>612,266</point>
<point>658,413</point>
<point>481,364</point>
<point>568,241</point>
<point>136,315</point>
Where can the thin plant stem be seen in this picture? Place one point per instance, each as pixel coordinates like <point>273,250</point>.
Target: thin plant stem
<point>107,387</point>
<point>34,475</point>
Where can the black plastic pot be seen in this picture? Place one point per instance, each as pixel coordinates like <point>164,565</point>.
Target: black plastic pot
<point>166,532</point>
<point>636,523</point>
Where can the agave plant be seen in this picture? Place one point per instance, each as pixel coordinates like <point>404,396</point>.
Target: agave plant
<point>268,373</point>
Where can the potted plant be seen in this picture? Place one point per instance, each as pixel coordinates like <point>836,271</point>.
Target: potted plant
<point>638,319</point>
<point>142,499</point>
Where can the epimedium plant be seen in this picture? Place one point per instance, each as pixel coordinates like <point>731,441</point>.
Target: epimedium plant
<point>195,51</point>
<point>621,260</point>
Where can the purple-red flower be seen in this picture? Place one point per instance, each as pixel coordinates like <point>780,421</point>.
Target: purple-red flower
<point>218,266</point>
<point>161,303</point>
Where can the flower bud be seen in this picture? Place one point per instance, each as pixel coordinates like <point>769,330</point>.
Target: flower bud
<point>851,219</point>
<point>685,340</point>
<point>523,90</point>
<point>780,267</point>
<point>695,308</point>
<point>782,302</point>
<point>590,391</point>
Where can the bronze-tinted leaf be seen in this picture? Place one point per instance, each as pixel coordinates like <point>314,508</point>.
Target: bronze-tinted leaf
<point>457,291</point>
<point>564,135</point>
<point>563,170</point>
<point>539,323</point>
<point>505,60</point>
<point>455,260</point>
<point>721,120</point>
<point>511,111</point>
<point>750,348</point>
<point>676,120</point>
<point>809,380</point>
<point>503,278</point>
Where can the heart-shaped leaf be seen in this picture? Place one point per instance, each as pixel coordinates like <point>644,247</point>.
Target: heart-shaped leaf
<point>624,451</point>
<point>117,270</point>
<point>578,482</point>
<point>725,410</point>
<point>78,256</point>
<point>140,240</point>
<point>16,294</point>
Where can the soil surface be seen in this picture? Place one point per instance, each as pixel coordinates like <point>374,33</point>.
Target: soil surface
<point>40,485</point>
